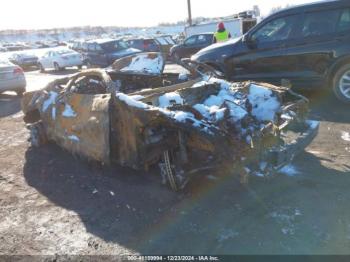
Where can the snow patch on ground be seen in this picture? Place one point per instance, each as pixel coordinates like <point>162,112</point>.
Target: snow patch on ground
<point>289,170</point>
<point>169,99</point>
<point>144,64</point>
<point>345,136</point>
<point>74,138</point>
<point>68,111</point>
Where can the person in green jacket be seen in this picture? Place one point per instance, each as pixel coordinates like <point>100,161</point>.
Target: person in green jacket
<point>221,35</point>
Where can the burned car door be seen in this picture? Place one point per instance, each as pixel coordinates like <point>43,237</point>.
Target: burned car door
<point>78,119</point>
<point>266,48</point>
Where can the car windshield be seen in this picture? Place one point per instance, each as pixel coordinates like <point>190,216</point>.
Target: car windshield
<point>114,46</point>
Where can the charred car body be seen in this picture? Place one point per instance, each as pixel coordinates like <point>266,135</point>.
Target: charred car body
<point>183,125</point>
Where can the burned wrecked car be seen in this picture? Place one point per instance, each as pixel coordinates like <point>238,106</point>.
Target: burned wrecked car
<point>187,125</point>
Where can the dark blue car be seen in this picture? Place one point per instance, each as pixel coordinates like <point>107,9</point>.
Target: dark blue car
<point>103,52</point>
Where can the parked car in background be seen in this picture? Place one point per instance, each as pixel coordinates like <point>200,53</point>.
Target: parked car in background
<point>3,49</point>
<point>166,43</point>
<point>40,44</point>
<point>16,47</point>
<point>59,59</point>
<point>144,44</point>
<point>24,60</point>
<point>11,78</point>
<point>308,45</point>
<point>103,52</point>
<point>77,46</point>
<point>191,45</point>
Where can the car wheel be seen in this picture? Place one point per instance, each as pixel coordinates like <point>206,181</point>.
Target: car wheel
<point>341,84</point>
<point>20,92</point>
<point>57,67</point>
<point>42,69</point>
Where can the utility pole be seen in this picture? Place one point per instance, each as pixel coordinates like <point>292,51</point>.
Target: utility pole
<point>189,12</point>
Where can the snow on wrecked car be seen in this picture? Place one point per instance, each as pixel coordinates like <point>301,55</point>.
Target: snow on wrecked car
<point>183,127</point>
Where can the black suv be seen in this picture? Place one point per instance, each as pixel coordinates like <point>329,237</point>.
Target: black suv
<point>309,45</point>
<point>191,45</point>
<point>103,52</point>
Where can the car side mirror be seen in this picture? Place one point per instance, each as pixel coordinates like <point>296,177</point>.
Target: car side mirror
<point>249,41</point>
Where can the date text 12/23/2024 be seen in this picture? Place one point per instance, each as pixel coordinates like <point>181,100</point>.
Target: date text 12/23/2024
<point>172,258</point>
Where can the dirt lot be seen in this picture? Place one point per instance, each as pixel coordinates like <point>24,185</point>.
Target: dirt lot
<point>52,203</point>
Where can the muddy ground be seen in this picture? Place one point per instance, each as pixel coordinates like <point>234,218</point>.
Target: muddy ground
<point>53,203</point>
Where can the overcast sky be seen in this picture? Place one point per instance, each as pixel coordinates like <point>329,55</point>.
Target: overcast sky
<point>36,14</point>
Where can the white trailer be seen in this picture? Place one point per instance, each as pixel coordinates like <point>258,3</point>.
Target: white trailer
<point>236,26</point>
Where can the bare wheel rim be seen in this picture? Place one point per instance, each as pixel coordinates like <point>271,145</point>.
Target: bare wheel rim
<point>344,84</point>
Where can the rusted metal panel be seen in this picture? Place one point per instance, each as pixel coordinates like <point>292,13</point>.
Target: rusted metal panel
<point>80,123</point>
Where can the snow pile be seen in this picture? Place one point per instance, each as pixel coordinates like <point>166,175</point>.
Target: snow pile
<point>68,111</point>
<point>137,97</point>
<point>131,101</point>
<point>213,113</point>
<point>265,103</point>
<point>245,108</point>
<point>169,99</point>
<point>183,77</point>
<point>145,64</point>
<point>179,116</point>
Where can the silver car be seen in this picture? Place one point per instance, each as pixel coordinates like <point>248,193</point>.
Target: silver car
<point>11,78</point>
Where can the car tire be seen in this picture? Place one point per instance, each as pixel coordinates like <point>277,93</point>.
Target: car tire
<point>341,84</point>
<point>57,67</point>
<point>41,68</point>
